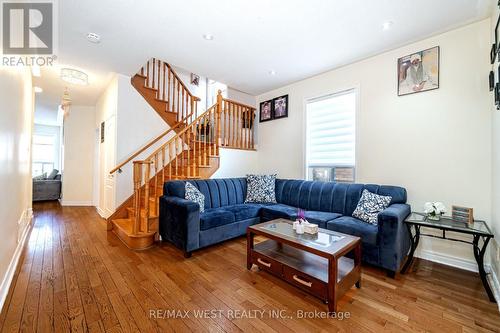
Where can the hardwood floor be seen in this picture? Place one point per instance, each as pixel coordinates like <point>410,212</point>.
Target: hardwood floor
<point>75,276</point>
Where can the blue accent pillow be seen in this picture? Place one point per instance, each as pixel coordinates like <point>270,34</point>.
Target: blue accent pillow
<point>193,194</point>
<point>370,205</point>
<point>260,189</point>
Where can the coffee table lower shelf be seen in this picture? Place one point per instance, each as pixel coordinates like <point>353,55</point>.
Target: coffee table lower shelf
<point>305,270</point>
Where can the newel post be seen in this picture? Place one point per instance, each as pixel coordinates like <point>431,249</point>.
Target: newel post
<point>219,111</point>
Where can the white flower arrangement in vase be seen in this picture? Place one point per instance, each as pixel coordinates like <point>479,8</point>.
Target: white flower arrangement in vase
<point>434,210</point>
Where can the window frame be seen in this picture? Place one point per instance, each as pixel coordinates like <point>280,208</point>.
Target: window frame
<point>356,90</point>
<point>54,147</point>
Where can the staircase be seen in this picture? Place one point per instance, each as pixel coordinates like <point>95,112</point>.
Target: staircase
<point>191,153</point>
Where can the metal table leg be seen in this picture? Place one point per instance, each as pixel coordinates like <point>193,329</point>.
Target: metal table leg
<point>479,255</point>
<point>414,239</point>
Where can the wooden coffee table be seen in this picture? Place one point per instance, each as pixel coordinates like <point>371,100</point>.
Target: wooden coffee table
<point>315,263</point>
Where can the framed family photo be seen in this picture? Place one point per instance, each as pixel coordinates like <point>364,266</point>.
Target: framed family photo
<point>266,111</point>
<point>418,72</point>
<point>280,107</point>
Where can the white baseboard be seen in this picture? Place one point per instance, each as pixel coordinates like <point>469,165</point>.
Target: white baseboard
<point>76,203</point>
<point>468,265</point>
<point>102,213</point>
<point>495,285</point>
<point>26,220</point>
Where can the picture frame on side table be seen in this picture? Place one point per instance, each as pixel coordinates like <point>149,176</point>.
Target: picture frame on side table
<point>266,111</point>
<point>280,107</point>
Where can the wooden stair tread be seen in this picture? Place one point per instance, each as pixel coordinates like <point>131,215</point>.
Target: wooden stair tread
<point>126,226</point>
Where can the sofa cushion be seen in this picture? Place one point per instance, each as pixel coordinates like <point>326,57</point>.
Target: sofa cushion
<point>320,218</point>
<point>352,226</point>
<point>244,211</point>
<point>261,188</point>
<point>192,194</point>
<point>215,217</point>
<point>272,212</point>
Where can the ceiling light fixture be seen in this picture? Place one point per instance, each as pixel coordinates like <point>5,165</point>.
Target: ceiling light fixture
<point>38,90</point>
<point>208,36</point>
<point>74,76</point>
<point>93,38</point>
<point>387,25</point>
<point>272,72</point>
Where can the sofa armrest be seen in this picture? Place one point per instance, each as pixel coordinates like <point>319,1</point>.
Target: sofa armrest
<point>393,236</point>
<point>179,222</point>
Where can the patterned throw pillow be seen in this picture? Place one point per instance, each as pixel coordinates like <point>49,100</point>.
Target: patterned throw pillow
<point>370,205</point>
<point>193,194</point>
<point>260,188</point>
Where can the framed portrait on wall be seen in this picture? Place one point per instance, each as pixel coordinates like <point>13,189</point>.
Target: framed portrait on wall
<point>418,72</point>
<point>280,107</point>
<point>266,111</point>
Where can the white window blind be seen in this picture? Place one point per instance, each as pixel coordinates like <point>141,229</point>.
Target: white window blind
<point>331,132</point>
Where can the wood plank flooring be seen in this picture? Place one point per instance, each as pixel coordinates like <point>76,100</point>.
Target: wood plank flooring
<point>75,277</point>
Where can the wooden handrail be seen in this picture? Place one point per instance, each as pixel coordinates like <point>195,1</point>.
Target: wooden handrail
<point>180,133</point>
<point>152,142</point>
<point>238,103</point>
<point>182,83</point>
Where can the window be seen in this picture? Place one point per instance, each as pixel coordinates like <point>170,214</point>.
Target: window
<point>330,137</point>
<point>44,150</point>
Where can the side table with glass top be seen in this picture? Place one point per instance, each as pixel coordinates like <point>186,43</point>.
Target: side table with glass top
<point>479,231</point>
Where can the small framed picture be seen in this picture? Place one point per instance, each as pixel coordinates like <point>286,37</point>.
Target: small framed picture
<point>497,35</point>
<point>195,79</point>
<point>102,132</point>
<point>266,111</point>
<point>492,80</point>
<point>280,107</point>
<point>497,95</point>
<point>493,53</point>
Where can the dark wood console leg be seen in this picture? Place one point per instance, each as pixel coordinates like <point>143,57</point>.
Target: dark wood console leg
<point>332,285</point>
<point>187,254</point>
<point>249,249</point>
<point>357,261</point>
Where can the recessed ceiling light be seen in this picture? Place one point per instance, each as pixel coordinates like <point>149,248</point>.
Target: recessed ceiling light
<point>272,72</point>
<point>93,38</point>
<point>387,25</point>
<point>208,36</point>
<point>38,90</point>
<point>74,76</point>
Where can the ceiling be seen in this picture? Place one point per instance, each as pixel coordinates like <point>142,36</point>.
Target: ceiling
<point>296,39</point>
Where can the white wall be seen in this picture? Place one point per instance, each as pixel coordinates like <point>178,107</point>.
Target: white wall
<point>137,124</point>
<point>78,172</point>
<point>236,163</point>
<point>16,125</point>
<point>495,167</point>
<point>436,144</point>
<point>46,114</point>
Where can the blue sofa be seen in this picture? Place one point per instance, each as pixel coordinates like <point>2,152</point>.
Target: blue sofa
<point>328,204</point>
